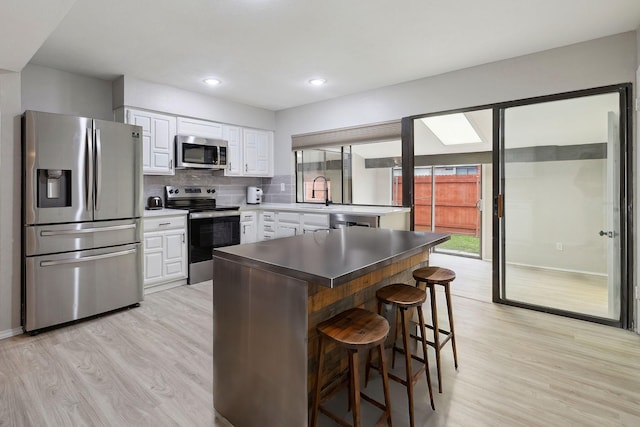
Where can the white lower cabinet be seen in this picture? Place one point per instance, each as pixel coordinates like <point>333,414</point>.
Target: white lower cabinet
<point>287,224</point>
<point>313,222</point>
<point>165,252</point>
<point>276,224</point>
<point>248,227</point>
<point>267,225</point>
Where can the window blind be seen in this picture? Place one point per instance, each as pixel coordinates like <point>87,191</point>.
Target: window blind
<point>378,132</point>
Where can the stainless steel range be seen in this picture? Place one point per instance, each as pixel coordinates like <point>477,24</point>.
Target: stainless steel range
<point>210,226</point>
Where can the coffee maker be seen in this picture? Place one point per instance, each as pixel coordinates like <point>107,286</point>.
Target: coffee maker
<point>254,195</point>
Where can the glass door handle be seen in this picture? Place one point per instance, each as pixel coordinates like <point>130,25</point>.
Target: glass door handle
<point>609,234</point>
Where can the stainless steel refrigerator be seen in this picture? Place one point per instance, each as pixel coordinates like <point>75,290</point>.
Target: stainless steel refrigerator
<point>82,212</point>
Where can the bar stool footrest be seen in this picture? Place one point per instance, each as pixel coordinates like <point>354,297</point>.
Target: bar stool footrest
<point>447,337</point>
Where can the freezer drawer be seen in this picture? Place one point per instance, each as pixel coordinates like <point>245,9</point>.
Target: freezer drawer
<point>64,287</point>
<point>56,238</point>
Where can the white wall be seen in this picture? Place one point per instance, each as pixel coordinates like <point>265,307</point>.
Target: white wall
<point>10,229</point>
<point>132,92</point>
<point>55,91</point>
<point>371,186</point>
<point>542,214</point>
<point>595,63</point>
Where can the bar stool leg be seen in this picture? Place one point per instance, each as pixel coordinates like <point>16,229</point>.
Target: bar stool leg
<point>447,293</point>
<point>407,358</point>
<point>424,352</point>
<point>354,381</point>
<point>436,332</point>
<point>316,394</point>
<point>385,383</point>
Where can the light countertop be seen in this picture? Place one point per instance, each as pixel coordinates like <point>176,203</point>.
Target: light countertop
<point>321,208</point>
<point>164,212</point>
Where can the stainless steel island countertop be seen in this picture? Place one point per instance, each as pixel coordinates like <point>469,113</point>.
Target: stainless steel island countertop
<point>334,257</point>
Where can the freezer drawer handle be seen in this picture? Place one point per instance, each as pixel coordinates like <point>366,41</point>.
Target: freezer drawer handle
<point>87,258</point>
<point>46,233</point>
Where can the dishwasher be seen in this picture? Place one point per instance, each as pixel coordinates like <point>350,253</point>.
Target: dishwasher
<point>340,220</point>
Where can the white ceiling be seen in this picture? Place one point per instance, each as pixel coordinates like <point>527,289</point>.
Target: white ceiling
<point>265,51</point>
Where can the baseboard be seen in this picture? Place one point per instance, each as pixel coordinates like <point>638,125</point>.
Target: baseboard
<point>10,333</point>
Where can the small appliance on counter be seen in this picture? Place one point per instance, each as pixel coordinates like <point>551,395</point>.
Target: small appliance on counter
<point>154,202</point>
<point>254,195</point>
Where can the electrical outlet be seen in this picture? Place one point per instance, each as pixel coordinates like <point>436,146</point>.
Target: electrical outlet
<point>282,186</point>
<point>559,246</point>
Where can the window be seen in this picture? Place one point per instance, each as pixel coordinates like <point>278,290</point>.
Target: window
<point>359,174</point>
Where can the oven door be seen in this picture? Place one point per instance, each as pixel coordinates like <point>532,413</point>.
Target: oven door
<point>208,233</point>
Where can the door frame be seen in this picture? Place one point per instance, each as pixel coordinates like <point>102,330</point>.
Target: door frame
<point>626,192</point>
<point>626,204</point>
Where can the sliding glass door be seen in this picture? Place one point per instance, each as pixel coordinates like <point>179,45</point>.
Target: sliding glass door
<point>560,209</point>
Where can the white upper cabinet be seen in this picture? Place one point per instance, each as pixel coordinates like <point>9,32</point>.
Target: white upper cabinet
<point>158,135</point>
<point>258,152</point>
<point>201,128</point>
<point>233,135</point>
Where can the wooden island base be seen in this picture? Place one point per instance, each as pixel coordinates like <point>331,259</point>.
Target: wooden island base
<point>323,303</point>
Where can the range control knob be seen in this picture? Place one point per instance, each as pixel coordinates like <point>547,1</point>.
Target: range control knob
<point>177,191</point>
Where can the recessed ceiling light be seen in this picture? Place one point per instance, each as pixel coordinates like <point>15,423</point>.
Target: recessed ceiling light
<point>317,82</point>
<point>212,81</point>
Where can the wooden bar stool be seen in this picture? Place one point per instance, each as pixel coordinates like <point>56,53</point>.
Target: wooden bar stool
<point>405,297</point>
<point>354,329</point>
<point>432,276</point>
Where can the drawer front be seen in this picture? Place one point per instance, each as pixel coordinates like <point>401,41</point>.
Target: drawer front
<point>247,216</point>
<point>269,227</point>
<point>290,217</point>
<point>268,235</point>
<point>268,216</point>
<point>165,223</point>
<point>321,220</point>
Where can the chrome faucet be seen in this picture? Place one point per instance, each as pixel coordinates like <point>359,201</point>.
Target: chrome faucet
<point>326,189</point>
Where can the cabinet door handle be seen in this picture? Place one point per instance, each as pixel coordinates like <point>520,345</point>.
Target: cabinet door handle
<point>164,223</point>
<point>183,238</point>
<point>246,167</point>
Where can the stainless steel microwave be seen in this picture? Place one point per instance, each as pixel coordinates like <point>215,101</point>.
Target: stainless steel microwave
<point>200,153</point>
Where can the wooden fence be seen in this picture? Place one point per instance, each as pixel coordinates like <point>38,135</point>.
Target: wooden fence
<point>456,198</point>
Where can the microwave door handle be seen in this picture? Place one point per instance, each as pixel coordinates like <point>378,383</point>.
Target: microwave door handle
<point>88,169</point>
<point>98,169</point>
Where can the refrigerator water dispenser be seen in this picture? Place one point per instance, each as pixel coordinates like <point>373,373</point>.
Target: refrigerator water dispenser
<point>54,188</point>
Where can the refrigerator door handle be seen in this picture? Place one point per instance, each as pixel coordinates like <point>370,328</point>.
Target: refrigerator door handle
<point>98,169</point>
<point>88,169</point>
<point>46,233</point>
<point>86,258</point>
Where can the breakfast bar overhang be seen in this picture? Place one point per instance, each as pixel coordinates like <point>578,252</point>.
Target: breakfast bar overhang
<point>268,298</point>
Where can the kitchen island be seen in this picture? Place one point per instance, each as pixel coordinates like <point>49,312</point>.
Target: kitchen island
<point>268,298</point>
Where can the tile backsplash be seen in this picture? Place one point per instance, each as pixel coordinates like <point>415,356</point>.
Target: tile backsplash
<point>229,190</point>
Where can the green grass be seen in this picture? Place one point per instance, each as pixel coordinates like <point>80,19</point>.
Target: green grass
<point>461,243</point>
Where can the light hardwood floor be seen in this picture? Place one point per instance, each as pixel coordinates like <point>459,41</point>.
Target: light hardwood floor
<point>570,291</point>
<point>152,366</point>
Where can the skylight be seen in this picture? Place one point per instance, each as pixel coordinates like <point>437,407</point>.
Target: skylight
<point>452,129</point>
